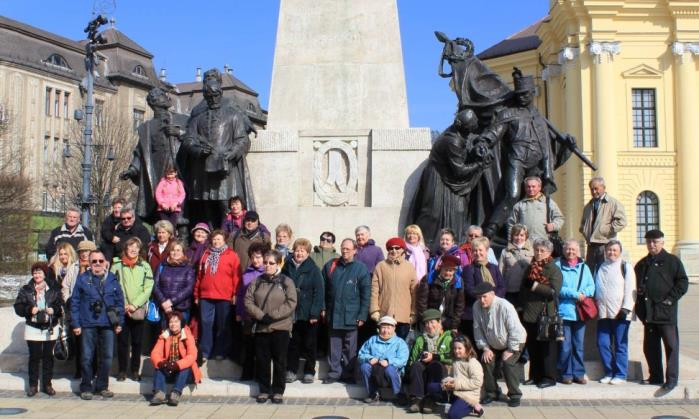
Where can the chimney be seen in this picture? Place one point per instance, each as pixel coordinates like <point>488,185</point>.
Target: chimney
<point>197,76</point>
<point>163,75</point>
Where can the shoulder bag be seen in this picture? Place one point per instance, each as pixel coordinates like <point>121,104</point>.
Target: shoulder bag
<point>587,308</point>
<point>550,325</point>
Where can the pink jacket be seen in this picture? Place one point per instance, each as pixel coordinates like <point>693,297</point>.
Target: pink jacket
<point>170,193</point>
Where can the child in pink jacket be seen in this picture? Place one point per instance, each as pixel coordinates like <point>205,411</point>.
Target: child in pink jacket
<point>170,194</point>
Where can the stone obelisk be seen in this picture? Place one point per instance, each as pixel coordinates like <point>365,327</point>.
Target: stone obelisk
<point>338,151</point>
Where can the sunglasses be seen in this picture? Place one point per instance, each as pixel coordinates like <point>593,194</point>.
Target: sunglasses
<point>96,261</point>
<point>127,218</point>
<point>327,239</point>
<point>269,263</point>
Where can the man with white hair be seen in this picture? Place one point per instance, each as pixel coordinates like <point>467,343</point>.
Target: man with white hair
<point>602,219</point>
<point>71,231</point>
<point>538,212</point>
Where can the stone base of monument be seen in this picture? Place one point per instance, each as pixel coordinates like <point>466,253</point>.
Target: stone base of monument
<point>688,252</point>
<point>335,180</point>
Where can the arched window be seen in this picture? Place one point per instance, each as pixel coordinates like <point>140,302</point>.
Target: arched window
<point>139,71</point>
<point>251,107</point>
<point>58,61</point>
<point>647,214</point>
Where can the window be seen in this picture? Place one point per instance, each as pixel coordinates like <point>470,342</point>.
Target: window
<point>56,150</point>
<point>139,71</point>
<point>647,214</point>
<point>57,104</point>
<point>99,108</point>
<point>45,201</point>
<point>251,107</point>
<point>64,203</point>
<point>644,119</point>
<point>46,151</point>
<point>47,102</point>
<point>58,61</point>
<point>66,104</point>
<point>138,117</point>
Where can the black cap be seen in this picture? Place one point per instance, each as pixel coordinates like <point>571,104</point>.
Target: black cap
<point>654,234</point>
<point>251,216</point>
<point>483,287</point>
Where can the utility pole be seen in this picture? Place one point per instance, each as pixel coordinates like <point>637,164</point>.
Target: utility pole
<point>94,39</point>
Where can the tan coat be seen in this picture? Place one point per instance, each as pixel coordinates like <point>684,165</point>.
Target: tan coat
<point>610,220</point>
<point>280,305</point>
<point>393,290</point>
<point>468,380</point>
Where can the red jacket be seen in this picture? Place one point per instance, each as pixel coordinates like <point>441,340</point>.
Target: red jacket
<point>155,258</point>
<point>221,285</point>
<point>187,347</point>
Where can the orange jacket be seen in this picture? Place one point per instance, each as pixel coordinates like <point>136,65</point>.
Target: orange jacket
<point>187,347</point>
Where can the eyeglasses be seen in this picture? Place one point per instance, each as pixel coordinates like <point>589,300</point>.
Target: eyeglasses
<point>127,218</point>
<point>96,261</point>
<point>394,248</point>
<point>327,239</point>
<point>269,263</point>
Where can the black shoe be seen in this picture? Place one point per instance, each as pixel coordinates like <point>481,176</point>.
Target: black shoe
<point>546,383</point>
<point>31,392</point>
<point>652,381</point>
<point>121,376</point>
<point>479,413</point>
<point>669,386</point>
<point>415,405</point>
<point>513,403</point>
<point>135,376</point>
<point>490,398</point>
<point>49,390</point>
<point>330,380</point>
<point>529,382</point>
<point>372,399</point>
<point>277,399</point>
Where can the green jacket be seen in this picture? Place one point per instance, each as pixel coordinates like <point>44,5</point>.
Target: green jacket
<point>533,301</point>
<point>443,349</point>
<point>136,282</point>
<point>321,256</point>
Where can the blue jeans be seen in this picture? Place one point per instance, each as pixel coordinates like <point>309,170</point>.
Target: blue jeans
<point>181,379</point>
<point>611,331</point>
<point>570,357</point>
<point>215,314</point>
<point>375,376</point>
<point>90,338</point>
<point>459,409</point>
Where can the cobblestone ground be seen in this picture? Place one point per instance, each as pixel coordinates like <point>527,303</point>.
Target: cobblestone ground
<point>68,405</point>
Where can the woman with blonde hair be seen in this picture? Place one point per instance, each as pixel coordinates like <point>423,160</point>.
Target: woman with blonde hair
<point>63,269</point>
<point>417,252</point>
<point>158,248</point>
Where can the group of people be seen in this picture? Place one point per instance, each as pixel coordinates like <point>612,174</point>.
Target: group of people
<point>449,320</point>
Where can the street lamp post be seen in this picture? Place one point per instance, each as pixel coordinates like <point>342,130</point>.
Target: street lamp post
<point>94,38</point>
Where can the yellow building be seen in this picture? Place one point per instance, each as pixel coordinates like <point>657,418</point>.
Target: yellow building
<point>621,76</point>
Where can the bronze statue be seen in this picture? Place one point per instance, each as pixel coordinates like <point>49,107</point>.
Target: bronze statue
<point>157,148</point>
<point>214,150</point>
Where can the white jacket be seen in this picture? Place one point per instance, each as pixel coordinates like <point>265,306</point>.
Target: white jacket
<point>613,291</point>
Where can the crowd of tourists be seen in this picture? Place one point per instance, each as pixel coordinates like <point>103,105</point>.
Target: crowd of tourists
<point>418,325</point>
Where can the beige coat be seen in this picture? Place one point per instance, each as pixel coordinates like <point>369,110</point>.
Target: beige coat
<point>468,380</point>
<point>514,263</point>
<point>393,290</point>
<point>280,305</point>
<point>610,220</point>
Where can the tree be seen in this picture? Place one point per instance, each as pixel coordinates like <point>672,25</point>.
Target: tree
<point>15,194</point>
<point>113,140</point>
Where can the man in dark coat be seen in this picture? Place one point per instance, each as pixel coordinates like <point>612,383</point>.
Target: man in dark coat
<point>214,147</point>
<point>661,281</point>
<point>157,148</point>
<point>71,232</point>
<point>128,227</point>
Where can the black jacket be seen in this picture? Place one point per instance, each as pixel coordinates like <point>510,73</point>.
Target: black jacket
<point>660,283</point>
<point>137,230</point>
<point>62,234</point>
<point>108,228</point>
<point>26,301</point>
<point>435,295</point>
<point>310,289</point>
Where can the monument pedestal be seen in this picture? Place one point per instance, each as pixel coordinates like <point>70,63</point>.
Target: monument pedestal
<point>688,252</point>
<point>335,180</point>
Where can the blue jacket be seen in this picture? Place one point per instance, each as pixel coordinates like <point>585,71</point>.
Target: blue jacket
<point>394,350</point>
<point>347,293</point>
<point>570,290</point>
<point>86,292</point>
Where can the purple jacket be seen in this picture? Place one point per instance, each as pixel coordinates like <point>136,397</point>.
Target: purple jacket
<point>472,277</point>
<point>194,253</point>
<point>370,255</point>
<point>249,276</point>
<point>174,283</point>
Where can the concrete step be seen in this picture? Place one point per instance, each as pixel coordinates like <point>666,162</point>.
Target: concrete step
<point>225,388</point>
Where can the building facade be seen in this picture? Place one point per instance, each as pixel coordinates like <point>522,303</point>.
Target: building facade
<point>622,77</point>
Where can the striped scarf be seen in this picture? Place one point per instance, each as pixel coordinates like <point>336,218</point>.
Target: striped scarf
<point>214,257</point>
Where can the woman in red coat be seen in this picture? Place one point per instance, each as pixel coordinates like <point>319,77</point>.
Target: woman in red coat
<point>214,293</point>
<point>179,366</point>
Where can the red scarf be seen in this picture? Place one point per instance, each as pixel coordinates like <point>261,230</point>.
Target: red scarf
<point>536,270</point>
<point>127,261</point>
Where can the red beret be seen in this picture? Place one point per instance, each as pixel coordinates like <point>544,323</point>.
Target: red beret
<point>395,241</point>
<point>450,261</point>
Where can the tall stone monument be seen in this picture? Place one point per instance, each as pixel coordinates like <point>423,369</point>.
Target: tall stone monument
<point>338,151</point>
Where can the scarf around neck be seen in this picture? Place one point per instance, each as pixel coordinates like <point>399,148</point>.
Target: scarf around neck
<point>485,272</point>
<point>214,257</point>
<point>536,270</point>
<point>130,262</point>
<point>417,258</point>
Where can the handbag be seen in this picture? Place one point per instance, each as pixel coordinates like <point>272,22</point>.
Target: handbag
<point>152,312</point>
<point>550,325</point>
<point>587,308</point>
<point>61,349</point>
<point>554,238</point>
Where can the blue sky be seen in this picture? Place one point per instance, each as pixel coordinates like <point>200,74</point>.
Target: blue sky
<point>184,35</point>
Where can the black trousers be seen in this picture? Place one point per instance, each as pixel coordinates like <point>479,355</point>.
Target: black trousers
<point>420,375</point>
<point>247,353</point>
<point>303,344</point>
<point>133,332</point>
<point>653,334</point>
<point>40,352</point>
<point>271,348</point>
<point>466,328</point>
<point>543,356</point>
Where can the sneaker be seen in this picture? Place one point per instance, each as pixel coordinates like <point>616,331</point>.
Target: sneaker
<point>371,399</point>
<point>605,380</point>
<point>174,399</point>
<point>290,377</point>
<point>106,394</point>
<point>617,380</point>
<point>86,395</point>
<point>308,379</point>
<point>158,398</point>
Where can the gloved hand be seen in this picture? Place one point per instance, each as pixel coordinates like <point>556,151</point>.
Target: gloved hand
<point>162,365</point>
<point>266,319</point>
<point>622,314</point>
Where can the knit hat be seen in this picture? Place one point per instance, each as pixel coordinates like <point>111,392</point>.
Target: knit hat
<point>251,216</point>
<point>431,314</point>
<point>201,226</point>
<point>387,320</point>
<point>483,288</point>
<point>450,261</point>
<point>654,234</point>
<point>395,241</point>
<point>87,245</point>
